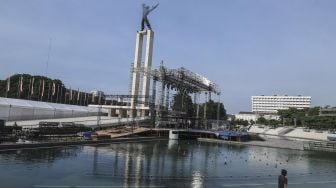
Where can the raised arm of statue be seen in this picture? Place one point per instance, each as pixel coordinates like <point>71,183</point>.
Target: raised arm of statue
<point>153,7</point>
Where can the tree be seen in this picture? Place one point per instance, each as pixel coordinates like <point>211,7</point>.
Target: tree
<point>183,103</point>
<point>293,115</point>
<point>313,111</point>
<point>274,122</point>
<point>261,120</point>
<point>240,122</point>
<point>308,117</point>
<point>211,112</point>
<point>59,95</point>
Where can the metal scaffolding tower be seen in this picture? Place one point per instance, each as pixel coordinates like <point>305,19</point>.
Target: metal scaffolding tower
<point>179,79</point>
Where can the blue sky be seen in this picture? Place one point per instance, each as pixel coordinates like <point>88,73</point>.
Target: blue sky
<point>248,47</point>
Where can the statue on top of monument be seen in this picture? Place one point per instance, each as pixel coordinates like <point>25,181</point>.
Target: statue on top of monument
<point>145,11</point>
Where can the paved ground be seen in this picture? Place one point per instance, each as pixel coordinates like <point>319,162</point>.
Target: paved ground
<point>273,141</point>
<point>269,142</point>
<point>297,132</point>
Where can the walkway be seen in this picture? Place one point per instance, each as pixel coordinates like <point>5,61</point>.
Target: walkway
<point>90,121</point>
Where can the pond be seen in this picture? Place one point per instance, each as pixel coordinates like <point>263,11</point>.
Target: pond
<point>168,163</point>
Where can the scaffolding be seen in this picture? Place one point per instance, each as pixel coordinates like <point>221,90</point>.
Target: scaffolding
<point>180,79</point>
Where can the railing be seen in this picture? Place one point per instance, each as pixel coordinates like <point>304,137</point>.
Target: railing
<point>323,146</point>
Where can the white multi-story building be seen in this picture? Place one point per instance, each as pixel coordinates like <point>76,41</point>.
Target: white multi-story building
<point>271,104</point>
<point>248,116</point>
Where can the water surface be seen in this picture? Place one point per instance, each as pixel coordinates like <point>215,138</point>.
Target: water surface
<point>165,164</point>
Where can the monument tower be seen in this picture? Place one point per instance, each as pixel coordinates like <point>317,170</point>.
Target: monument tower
<point>147,34</point>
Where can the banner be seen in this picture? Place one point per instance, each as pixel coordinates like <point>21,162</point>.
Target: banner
<point>42,93</point>
<point>78,94</point>
<point>32,87</point>
<point>8,84</point>
<point>99,99</point>
<point>53,89</point>
<point>21,84</point>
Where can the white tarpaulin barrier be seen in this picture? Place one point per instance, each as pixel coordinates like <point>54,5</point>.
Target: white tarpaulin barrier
<point>18,109</point>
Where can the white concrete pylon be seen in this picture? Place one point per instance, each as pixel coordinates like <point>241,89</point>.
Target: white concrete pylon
<point>136,73</point>
<point>147,67</point>
<point>137,70</point>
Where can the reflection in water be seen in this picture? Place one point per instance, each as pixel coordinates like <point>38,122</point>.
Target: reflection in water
<point>194,162</point>
<point>138,170</point>
<point>127,170</point>
<point>163,163</point>
<point>42,155</point>
<point>172,144</point>
<point>197,179</point>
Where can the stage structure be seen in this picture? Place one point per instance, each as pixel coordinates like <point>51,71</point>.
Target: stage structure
<point>169,80</point>
<point>155,103</point>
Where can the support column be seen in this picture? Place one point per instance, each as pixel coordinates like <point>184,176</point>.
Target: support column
<point>196,95</point>
<point>162,95</point>
<point>153,92</point>
<point>152,103</point>
<point>218,108</point>
<point>136,72</point>
<point>147,68</point>
<point>167,98</point>
<point>161,105</point>
<point>205,110</point>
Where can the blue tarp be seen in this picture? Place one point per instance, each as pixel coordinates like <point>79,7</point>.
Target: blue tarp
<point>229,134</point>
